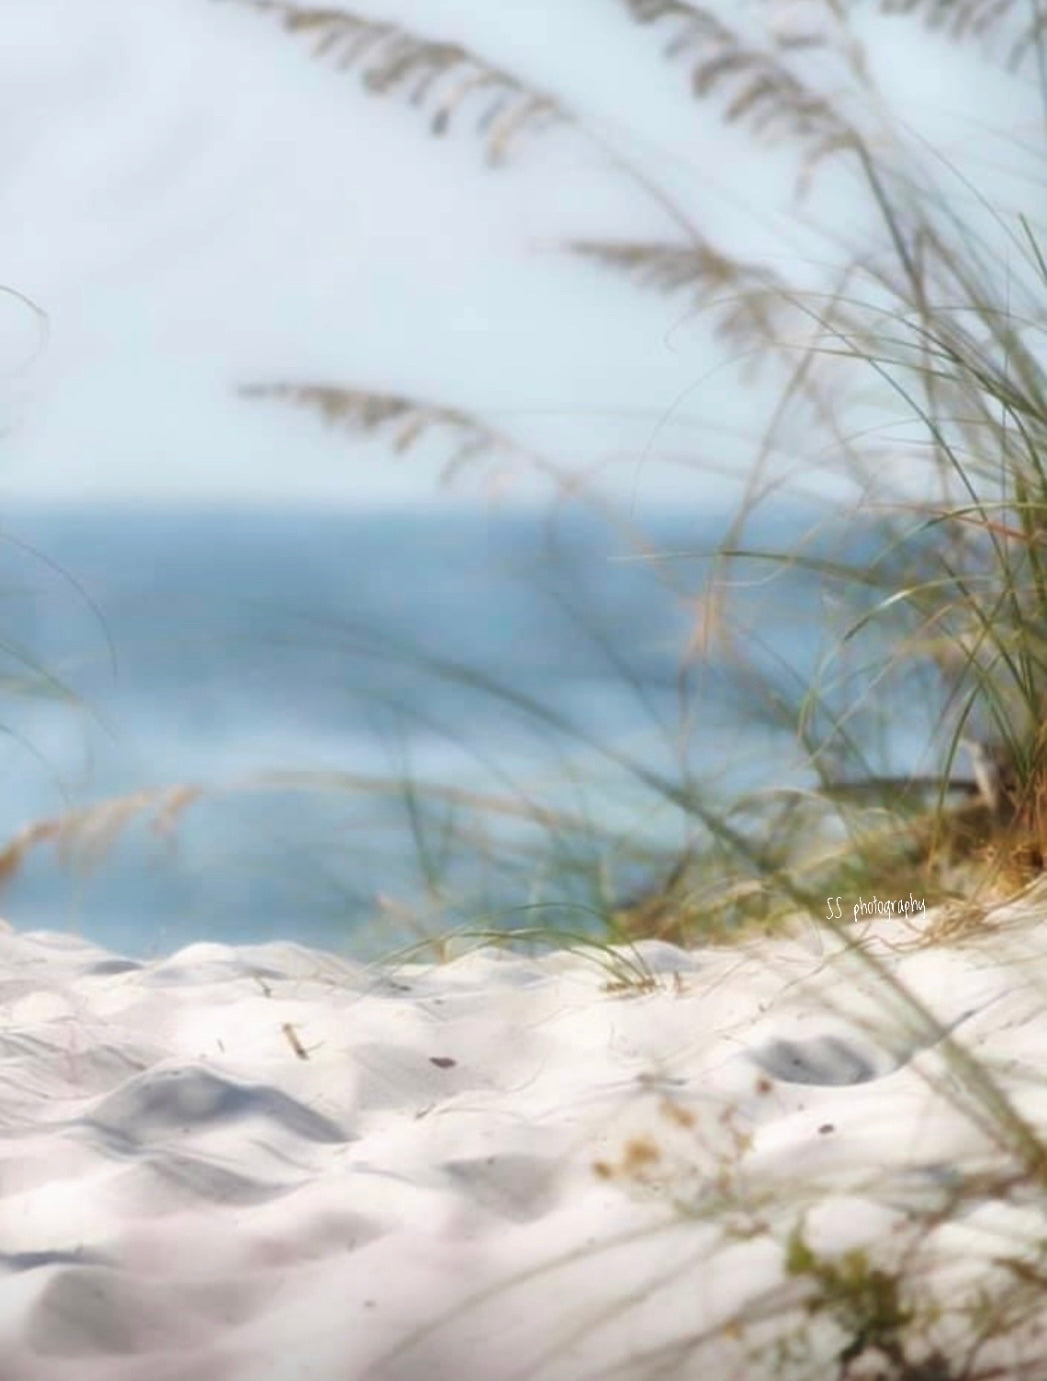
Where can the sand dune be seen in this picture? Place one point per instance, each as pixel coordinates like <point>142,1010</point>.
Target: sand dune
<point>269,1164</point>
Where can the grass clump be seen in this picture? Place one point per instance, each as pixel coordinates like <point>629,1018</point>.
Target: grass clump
<point>941,579</point>
<point>864,1302</point>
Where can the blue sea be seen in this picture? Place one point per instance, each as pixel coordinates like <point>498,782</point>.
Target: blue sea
<point>362,707</point>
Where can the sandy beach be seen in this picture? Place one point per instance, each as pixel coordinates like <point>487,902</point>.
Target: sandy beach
<point>268,1164</point>
<point>545,464</point>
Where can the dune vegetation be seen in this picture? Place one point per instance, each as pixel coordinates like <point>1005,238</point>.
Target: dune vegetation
<point>925,319</point>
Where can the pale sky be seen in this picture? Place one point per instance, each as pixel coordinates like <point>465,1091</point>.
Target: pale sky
<point>195,202</point>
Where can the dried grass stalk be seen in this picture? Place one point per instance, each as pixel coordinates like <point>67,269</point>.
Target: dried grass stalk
<point>435,74</point>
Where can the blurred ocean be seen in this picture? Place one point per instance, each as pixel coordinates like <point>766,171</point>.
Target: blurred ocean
<point>146,649</point>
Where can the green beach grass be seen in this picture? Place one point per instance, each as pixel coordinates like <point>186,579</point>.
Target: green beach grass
<point>943,325</point>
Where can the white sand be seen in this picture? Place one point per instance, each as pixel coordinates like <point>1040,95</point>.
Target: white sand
<point>471,1174</point>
